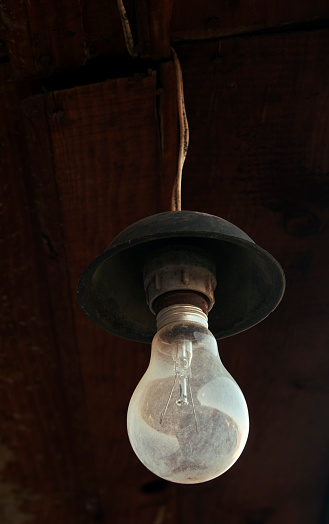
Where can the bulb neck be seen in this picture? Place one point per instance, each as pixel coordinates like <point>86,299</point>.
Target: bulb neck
<point>181,313</point>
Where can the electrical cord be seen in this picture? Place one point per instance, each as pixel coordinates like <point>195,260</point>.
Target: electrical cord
<point>126,30</point>
<point>176,198</point>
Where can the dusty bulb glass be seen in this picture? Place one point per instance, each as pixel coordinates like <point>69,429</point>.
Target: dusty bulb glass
<point>187,419</point>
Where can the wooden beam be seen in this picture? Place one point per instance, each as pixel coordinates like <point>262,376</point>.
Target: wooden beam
<point>46,466</point>
<point>153,23</point>
<point>43,37</point>
<point>104,152</point>
<point>259,119</point>
<point>212,19</point>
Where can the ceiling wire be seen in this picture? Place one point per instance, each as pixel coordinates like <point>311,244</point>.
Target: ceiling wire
<point>126,30</point>
<point>176,198</point>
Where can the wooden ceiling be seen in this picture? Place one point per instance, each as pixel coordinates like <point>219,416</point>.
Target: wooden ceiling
<point>88,140</point>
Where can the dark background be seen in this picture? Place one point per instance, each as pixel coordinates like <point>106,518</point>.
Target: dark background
<point>88,145</point>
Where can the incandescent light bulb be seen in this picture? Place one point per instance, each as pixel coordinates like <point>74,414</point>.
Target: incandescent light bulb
<point>187,419</point>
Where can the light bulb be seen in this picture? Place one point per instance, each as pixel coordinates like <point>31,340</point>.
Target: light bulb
<point>187,419</point>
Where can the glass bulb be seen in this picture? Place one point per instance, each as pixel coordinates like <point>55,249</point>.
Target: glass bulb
<point>187,419</point>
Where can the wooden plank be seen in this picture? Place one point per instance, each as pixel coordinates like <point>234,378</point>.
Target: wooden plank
<point>258,113</point>
<point>169,129</point>
<point>47,208</point>
<point>258,116</point>
<point>45,461</point>
<point>260,98</point>
<point>103,29</point>
<point>153,22</point>
<point>17,37</point>
<point>43,37</point>
<point>212,19</point>
<point>3,47</point>
<point>107,164</point>
<point>48,37</point>
<point>149,23</point>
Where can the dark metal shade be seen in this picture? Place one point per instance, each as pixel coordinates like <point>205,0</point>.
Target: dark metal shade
<point>250,282</point>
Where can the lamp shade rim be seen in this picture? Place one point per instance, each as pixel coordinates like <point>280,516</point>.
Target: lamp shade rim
<point>250,282</point>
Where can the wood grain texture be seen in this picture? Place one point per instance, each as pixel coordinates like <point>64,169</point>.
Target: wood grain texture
<point>77,166</point>
<point>153,23</point>
<point>258,120</point>
<point>41,454</point>
<point>169,129</point>
<point>43,37</point>
<point>16,36</point>
<point>262,98</point>
<point>211,19</point>
<point>103,29</point>
<point>3,47</point>
<point>107,173</point>
<point>49,37</point>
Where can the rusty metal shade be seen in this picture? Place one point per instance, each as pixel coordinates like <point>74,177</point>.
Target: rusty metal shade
<point>250,282</point>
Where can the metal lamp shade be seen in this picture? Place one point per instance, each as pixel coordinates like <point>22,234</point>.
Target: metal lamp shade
<point>250,282</point>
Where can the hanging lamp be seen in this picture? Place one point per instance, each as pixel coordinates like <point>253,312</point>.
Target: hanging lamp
<point>163,280</point>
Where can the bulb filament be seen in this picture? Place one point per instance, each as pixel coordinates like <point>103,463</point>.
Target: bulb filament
<point>182,370</point>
